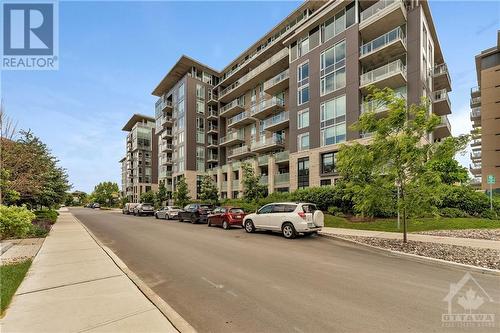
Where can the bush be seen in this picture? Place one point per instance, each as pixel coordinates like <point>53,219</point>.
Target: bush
<point>247,206</point>
<point>15,221</point>
<point>452,212</point>
<point>464,198</point>
<point>47,215</point>
<point>323,197</point>
<point>333,210</point>
<point>489,214</point>
<point>37,231</point>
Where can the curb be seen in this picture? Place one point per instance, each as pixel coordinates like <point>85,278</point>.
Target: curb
<point>414,257</point>
<point>179,323</point>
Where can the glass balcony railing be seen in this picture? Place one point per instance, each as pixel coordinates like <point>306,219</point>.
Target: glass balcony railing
<point>230,105</point>
<point>274,140</point>
<point>376,8</point>
<point>282,156</point>
<point>475,112</point>
<point>439,96</point>
<point>257,70</point>
<point>263,180</point>
<point>382,41</point>
<point>237,135</point>
<point>266,104</point>
<point>475,101</point>
<point>276,119</point>
<point>439,70</point>
<point>235,184</point>
<point>383,72</point>
<point>475,90</point>
<point>212,157</point>
<point>239,151</point>
<point>239,117</point>
<point>281,178</point>
<point>235,165</point>
<point>263,160</point>
<point>277,79</point>
<point>445,122</point>
<point>212,128</point>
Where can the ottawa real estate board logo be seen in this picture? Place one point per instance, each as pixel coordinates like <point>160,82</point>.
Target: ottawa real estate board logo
<point>30,36</point>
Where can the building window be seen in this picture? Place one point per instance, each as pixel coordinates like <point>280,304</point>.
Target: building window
<point>303,173</point>
<point>303,46</point>
<point>200,159</point>
<point>333,126</point>
<point>200,91</point>
<point>303,83</point>
<point>200,107</point>
<point>325,182</point>
<point>303,118</point>
<point>303,141</point>
<point>181,92</point>
<point>341,21</point>
<point>333,69</point>
<point>328,161</point>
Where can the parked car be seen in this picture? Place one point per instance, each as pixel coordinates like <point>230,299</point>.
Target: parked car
<point>144,209</point>
<point>89,205</point>
<point>128,208</point>
<point>96,205</point>
<point>289,218</point>
<point>167,213</point>
<point>195,213</point>
<point>226,217</point>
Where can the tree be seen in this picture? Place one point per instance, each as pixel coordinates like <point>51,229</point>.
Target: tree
<point>208,190</point>
<point>105,193</point>
<point>161,195</point>
<point>252,189</point>
<point>148,197</point>
<point>181,194</point>
<point>397,159</point>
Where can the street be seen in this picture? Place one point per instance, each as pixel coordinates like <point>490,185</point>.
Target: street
<point>231,281</point>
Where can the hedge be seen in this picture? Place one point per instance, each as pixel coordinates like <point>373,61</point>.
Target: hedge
<point>15,221</point>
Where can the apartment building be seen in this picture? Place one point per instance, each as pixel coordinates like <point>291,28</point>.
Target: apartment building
<point>287,102</point>
<point>140,165</point>
<point>485,117</point>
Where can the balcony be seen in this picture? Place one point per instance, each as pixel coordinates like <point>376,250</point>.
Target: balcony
<point>277,122</point>
<point>388,46</point>
<point>232,138</point>
<point>166,134</point>
<point>263,160</point>
<point>212,115</point>
<point>475,156</point>
<point>240,152</point>
<point>475,114</point>
<point>443,129</point>
<point>263,180</point>
<point>392,75</point>
<point>282,157</point>
<point>475,143</point>
<point>475,182</point>
<point>441,102</point>
<point>240,120</point>
<point>267,107</point>
<point>166,147</point>
<point>212,143</point>
<point>212,98</point>
<point>278,83</point>
<point>383,16</point>
<point>475,91</point>
<point>268,144</point>
<point>269,68</point>
<point>441,77</point>
<point>281,179</point>
<point>212,158</point>
<point>223,186</point>
<point>475,102</point>
<point>232,109</point>
<point>475,169</point>
<point>166,120</point>
<point>235,184</point>
<point>212,129</point>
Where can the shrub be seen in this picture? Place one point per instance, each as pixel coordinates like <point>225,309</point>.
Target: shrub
<point>464,198</point>
<point>333,210</point>
<point>452,212</point>
<point>247,206</point>
<point>37,231</point>
<point>15,221</point>
<point>47,215</point>
<point>323,197</point>
<point>489,214</point>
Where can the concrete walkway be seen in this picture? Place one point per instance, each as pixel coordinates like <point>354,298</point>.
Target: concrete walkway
<point>73,286</point>
<point>478,243</point>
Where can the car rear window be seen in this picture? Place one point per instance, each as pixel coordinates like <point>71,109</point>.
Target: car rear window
<point>146,206</point>
<point>236,211</point>
<point>309,208</point>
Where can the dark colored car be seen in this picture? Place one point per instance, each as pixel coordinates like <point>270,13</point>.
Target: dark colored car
<point>144,209</point>
<point>195,213</point>
<point>226,217</point>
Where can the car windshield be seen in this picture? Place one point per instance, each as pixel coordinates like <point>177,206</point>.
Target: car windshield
<point>236,211</point>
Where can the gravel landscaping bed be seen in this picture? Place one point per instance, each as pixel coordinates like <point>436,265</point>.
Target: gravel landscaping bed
<point>461,254</point>
<point>489,234</point>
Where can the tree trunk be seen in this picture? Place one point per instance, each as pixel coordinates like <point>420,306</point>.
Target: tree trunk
<point>405,236</point>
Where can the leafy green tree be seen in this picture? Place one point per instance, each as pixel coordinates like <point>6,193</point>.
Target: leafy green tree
<point>252,189</point>
<point>9,196</point>
<point>148,197</point>
<point>105,193</point>
<point>181,194</point>
<point>161,195</point>
<point>208,190</point>
<point>396,159</point>
<point>443,160</point>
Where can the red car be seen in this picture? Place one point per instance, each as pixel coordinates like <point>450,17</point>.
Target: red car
<point>226,217</point>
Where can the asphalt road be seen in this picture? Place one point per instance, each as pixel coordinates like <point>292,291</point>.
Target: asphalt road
<point>231,281</point>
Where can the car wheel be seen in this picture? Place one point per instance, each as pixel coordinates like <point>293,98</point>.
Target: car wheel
<point>225,225</point>
<point>167,216</point>
<point>288,230</point>
<point>249,227</point>
<point>156,216</point>
<point>193,220</point>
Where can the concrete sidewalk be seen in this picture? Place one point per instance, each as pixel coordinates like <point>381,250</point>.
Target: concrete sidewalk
<point>478,243</point>
<point>74,286</point>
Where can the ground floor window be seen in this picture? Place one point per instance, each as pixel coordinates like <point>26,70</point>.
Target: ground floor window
<point>326,182</point>
<point>303,173</point>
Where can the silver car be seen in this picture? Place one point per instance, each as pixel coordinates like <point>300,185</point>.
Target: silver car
<point>167,213</point>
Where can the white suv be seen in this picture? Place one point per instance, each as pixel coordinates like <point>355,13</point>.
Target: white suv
<point>290,218</point>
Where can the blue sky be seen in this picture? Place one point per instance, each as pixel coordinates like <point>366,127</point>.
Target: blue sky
<point>112,55</point>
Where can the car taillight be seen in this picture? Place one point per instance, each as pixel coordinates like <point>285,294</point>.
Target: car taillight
<point>302,214</point>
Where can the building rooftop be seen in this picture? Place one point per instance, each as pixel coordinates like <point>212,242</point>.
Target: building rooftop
<point>136,118</point>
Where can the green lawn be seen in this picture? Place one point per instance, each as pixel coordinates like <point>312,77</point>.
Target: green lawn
<point>421,224</point>
<point>11,277</point>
